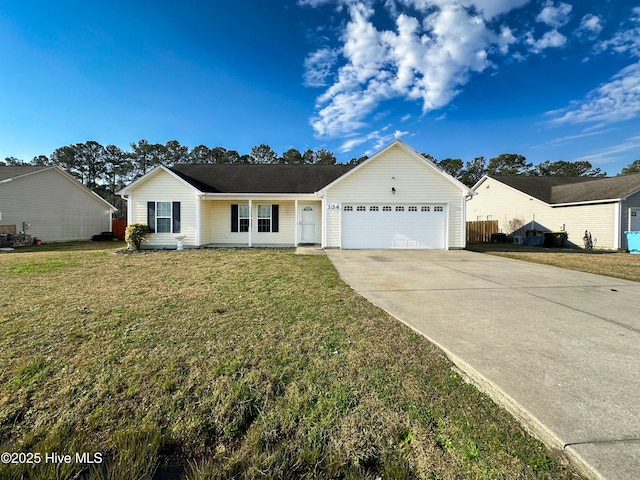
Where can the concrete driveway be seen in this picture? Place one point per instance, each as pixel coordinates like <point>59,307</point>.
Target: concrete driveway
<point>560,349</point>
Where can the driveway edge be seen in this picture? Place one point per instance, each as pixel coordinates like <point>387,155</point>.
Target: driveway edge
<point>529,422</point>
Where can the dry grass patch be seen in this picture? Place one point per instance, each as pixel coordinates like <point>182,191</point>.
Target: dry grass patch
<point>233,364</point>
<point>601,262</point>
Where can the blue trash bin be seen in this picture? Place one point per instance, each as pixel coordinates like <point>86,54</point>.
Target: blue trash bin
<point>633,242</point>
<point>534,241</point>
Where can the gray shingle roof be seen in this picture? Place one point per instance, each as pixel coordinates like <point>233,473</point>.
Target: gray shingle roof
<point>259,178</point>
<point>597,189</point>
<point>7,172</point>
<point>554,190</point>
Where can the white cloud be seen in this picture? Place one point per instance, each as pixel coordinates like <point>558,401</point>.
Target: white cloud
<point>488,9</point>
<point>551,39</point>
<point>570,138</point>
<point>493,8</point>
<point>612,153</point>
<point>590,26</point>
<point>379,137</point>
<point>319,67</point>
<point>555,15</point>
<point>614,101</point>
<point>626,40</point>
<point>314,3</point>
<point>618,99</point>
<point>427,58</point>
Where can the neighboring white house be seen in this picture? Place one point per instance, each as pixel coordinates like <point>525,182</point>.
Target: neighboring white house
<point>606,206</point>
<point>395,199</point>
<point>48,203</point>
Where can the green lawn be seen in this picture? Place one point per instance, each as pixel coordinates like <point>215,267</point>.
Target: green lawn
<point>602,262</point>
<point>229,364</point>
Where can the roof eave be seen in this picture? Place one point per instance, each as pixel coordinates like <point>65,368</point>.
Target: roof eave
<point>587,202</point>
<point>259,196</point>
<point>44,168</point>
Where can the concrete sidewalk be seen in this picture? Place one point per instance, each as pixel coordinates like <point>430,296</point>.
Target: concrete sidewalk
<point>560,349</point>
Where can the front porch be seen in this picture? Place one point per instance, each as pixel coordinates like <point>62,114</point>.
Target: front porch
<point>259,221</point>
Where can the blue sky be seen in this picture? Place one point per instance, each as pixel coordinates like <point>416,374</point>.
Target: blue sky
<point>552,80</point>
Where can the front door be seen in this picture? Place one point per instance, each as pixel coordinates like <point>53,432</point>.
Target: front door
<point>307,224</point>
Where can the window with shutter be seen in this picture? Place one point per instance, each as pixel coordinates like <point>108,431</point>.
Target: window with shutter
<point>240,217</point>
<point>163,217</point>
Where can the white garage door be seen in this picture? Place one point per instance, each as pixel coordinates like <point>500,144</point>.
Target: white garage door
<point>393,226</point>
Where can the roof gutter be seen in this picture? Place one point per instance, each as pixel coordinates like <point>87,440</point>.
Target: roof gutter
<point>590,202</point>
<point>254,196</point>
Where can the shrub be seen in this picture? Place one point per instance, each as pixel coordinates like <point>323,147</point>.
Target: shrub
<point>134,234</point>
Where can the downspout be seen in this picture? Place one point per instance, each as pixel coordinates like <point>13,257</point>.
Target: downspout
<point>465,199</point>
<point>129,209</point>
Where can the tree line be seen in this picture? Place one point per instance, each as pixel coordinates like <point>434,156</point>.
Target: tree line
<point>107,169</point>
<point>471,172</point>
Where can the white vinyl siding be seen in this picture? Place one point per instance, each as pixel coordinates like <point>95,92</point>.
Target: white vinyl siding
<point>414,182</point>
<point>505,204</point>
<point>244,218</point>
<point>264,218</point>
<point>164,187</point>
<point>58,208</point>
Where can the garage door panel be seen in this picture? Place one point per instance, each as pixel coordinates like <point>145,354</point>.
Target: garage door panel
<point>393,226</point>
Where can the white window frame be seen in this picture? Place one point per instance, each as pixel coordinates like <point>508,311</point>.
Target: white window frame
<point>262,218</point>
<point>164,217</point>
<point>244,208</point>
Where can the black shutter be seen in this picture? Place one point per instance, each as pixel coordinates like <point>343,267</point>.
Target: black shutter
<point>234,218</point>
<point>274,218</point>
<point>176,217</point>
<point>151,216</point>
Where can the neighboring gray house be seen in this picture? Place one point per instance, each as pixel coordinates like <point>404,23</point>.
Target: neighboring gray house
<point>605,206</point>
<point>48,203</point>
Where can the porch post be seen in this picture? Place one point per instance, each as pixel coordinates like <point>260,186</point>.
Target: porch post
<point>296,238</point>
<point>198,206</point>
<point>323,241</point>
<point>250,220</point>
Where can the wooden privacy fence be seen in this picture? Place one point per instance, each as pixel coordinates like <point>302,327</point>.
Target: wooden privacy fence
<point>118,227</point>
<point>480,232</point>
